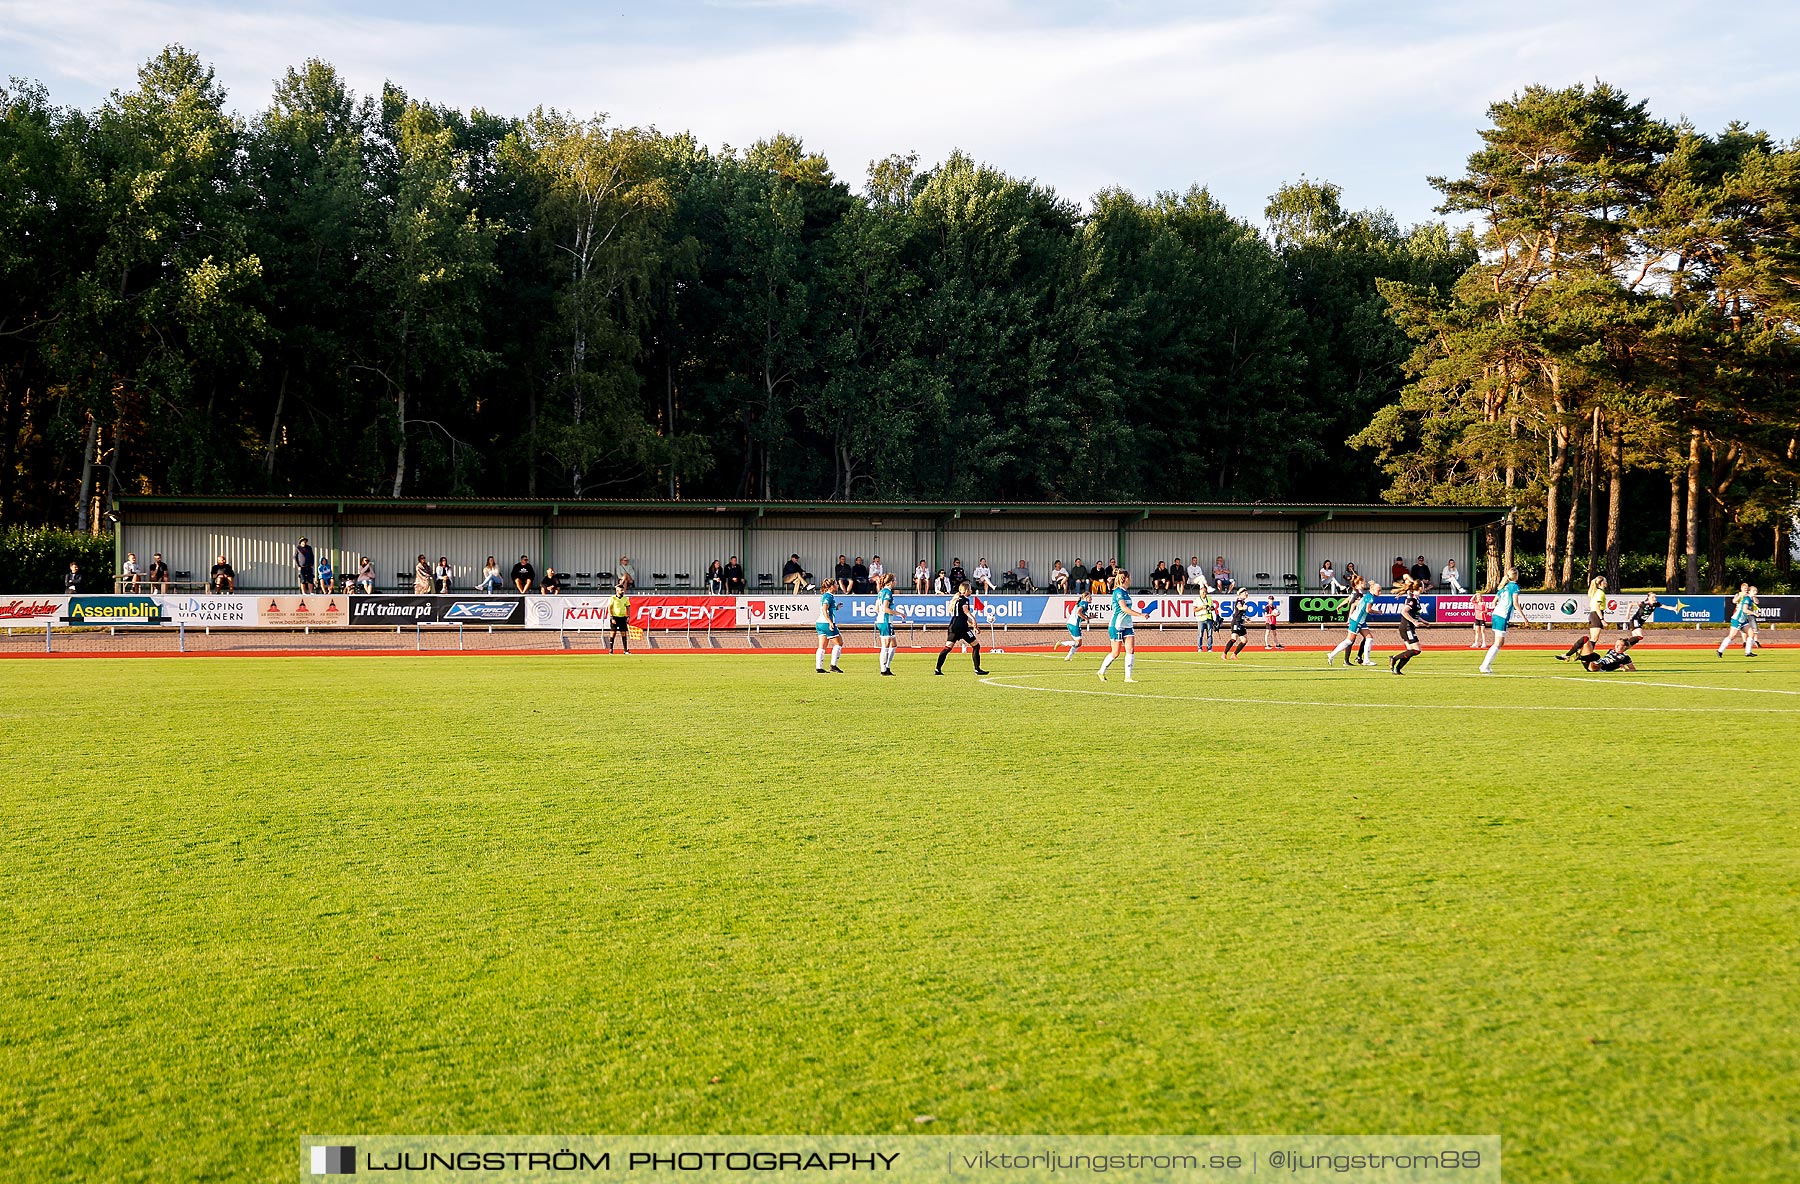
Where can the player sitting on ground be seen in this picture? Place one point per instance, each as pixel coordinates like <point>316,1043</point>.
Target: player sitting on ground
<point>1614,659</point>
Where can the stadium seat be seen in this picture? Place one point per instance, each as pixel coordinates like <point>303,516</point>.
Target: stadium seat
<point>1262,580</point>
<point>606,578</point>
<point>660,579</point>
<point>1290,583</point>
<point>684,579</point>
<point>765,581</point>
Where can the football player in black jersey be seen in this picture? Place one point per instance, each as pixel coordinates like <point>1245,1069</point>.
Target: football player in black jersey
<point>1614,659</point>
<point>1240,627</point>
<point>1642,614</point>
<point>1412,615</point>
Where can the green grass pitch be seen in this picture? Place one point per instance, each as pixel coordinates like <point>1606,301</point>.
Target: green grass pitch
<point>246,899</point>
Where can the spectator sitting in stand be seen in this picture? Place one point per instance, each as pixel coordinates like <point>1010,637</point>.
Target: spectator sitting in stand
<point>922,578</point>
<point>715,577</point>
<point>1222,576</point>
<point>443,573</point>
<point>130,578</point>
<point>941,585</point>
<point>1022,573</point>
<point>524,575</point>
<point>1328,579</point>
<point>734,576</point>
<point>793,574</point>
<point>1178,576</point>
<point>1161,580</point>
<point>552,585</point>
<point>859,576</point>
<point>984,576</point>
<point>221,578</point>
<point>365,575</point>
<point>876,571</point>
<point>958,577</point>
<point>1079,576</point>
<point>1421,573</point>
<point>159,573</point>
<point>1196,574</point>
<point>327,577</point>
<point>626,574</point>
<point>421,575</point>
<point>1453,579</point>
<point>842,572</point>
<point>1399,571</point>
<point>1059,578</point>
<point>490,576</point>
<point>1350,576</point>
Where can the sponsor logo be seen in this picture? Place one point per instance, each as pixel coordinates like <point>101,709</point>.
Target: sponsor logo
<point>369,610</point>
<point>26,610</point>
<point>489,611</point>
<point>209,610</point>
<point>113,610</point>
<point>334,1161</point>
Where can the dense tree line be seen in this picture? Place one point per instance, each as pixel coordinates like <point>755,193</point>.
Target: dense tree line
<point>1628,337</point>
<point>374,294</point>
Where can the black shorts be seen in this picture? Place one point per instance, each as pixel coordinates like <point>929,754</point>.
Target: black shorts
<point>1239,629</point>
<point>1595,620</point>
<point>961,632</point>
<point>619,624</point>
<point>1409,633</point>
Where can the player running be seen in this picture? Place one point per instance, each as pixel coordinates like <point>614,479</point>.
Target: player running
<point>962,628</point>
<point>1506,607</point>
<point>1743,622</point>
<point>1121,628</point>
<point>885,616</point>
<point>1596,621</point>
<point>827,629</point>
<point>1356,626</point>
<point>1642,613</point>
<point>1240,626</point>
<point>1412,615</point>
<point>1077,621</point>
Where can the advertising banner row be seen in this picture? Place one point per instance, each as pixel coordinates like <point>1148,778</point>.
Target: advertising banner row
<point>775,612</point>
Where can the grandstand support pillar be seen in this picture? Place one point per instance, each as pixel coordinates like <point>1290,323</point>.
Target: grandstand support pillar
<point>118,531</point>
<point>544,538</point>
<point>337,529</point>
<point>937,538</point>
<point>1300,528</point>
<point>1125,523</point>
<point>745,525</point>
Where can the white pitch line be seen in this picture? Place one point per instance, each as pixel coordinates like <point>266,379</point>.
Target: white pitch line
<point>1682,686</point>
<point>993,681</point>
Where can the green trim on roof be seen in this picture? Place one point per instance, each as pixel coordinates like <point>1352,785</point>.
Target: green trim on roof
<point>558,506</point>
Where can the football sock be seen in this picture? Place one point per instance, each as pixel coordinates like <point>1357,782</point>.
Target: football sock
<point>1488,661</point>
<point>1106,661</point>
<point>819,658</point>
<point>1405,657</point>
<point>1341,647</point>
<point>1130,661</point>
<point>942,654</point>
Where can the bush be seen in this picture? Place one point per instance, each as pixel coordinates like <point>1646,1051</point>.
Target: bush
<point>35,559</point>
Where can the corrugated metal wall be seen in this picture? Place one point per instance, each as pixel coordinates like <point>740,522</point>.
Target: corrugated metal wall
<point>393,548</point>
<point>260,548</point>
<point>898,547</point>
<point>1039,545</point>
<point>1373,547</point>
<point>681,551</point>
<point>1248,550</point>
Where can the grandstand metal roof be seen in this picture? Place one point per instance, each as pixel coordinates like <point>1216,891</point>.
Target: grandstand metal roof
<point>952,509</point>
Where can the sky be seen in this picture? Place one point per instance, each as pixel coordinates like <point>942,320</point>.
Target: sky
<point>1238,97</point>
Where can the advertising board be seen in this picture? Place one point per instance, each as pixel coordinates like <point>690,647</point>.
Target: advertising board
<point>309,611</point>
<point>30,610</point>
<point>392,610</point>
<point>113,610</point>
<point>197,611</point>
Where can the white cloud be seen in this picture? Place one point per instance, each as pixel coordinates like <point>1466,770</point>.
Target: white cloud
<point>1239,100</point>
